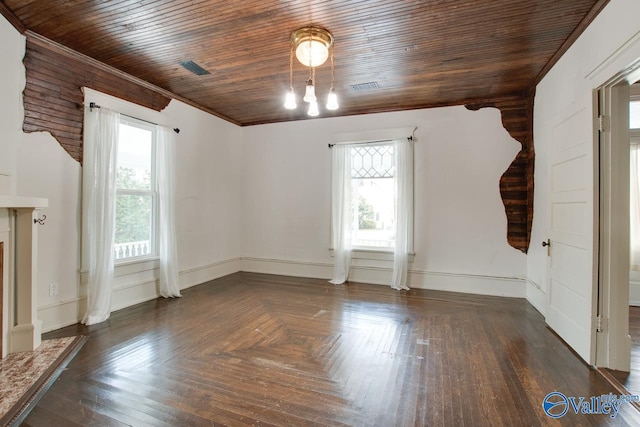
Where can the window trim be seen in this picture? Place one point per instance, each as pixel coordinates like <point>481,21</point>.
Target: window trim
<point>356,147</point>
<point>153,192</point>
<point>378,137</point>
<point>128,109</point>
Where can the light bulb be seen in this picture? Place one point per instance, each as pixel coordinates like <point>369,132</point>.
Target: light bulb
<point>290,100</point>
<point>313,109</point>
<point>312,53</point>
<point>310,93</point>
<point>332,100</point>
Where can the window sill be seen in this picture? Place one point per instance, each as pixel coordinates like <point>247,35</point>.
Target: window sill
<point>373,254</point>
<point>129,266</point>
<point>136,260</point>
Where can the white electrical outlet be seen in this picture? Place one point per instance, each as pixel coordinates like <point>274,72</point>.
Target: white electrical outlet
<point>53,289</point>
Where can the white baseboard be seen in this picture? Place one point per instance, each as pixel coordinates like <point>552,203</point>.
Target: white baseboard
<point>512,287</point>
<point>199,275</point>
<point>61,314</point>
<point>69,312</point>
<point>536,296</point>
<point>419,279</point>
<point>314,270</point>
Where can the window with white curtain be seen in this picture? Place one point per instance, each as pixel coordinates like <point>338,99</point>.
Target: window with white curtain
<point>372,204</point>
<point>128,200</point>
<point>136,191</point>
<point>373,196</point>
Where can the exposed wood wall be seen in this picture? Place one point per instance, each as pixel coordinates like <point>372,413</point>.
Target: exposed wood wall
<point>53,98</point>
<point>516,184</point>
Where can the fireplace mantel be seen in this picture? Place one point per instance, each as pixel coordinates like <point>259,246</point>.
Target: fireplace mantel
<point>17,202</point>
<point>21,329</point>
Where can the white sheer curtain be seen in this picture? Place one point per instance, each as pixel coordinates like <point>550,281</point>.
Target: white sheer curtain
<point>98,195</point>
<point>403,178</point>
<point>341,212</point>
<point>635,208</point>
<point>165,177</point>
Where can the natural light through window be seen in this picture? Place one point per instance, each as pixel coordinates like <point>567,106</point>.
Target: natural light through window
<point>634,114</point>
<point>135,192</point>
<point>373,196</point>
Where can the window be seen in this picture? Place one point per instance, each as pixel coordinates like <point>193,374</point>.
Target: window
<point>373,196</point>
<point>136,195</point>
<point>634,114</point>
<point>372,205</point>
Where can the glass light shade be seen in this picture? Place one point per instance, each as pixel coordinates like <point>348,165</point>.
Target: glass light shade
<point>332,100</point>
<point>313,109</point>
<point>312,53</point>
<point>290,100</point>
<point>310,93</point>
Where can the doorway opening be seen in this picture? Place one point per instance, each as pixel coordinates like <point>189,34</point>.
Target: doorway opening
<point>617,168</point>
<point>631,379</point>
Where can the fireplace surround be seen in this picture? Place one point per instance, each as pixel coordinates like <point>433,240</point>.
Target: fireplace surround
<point>21,329</point>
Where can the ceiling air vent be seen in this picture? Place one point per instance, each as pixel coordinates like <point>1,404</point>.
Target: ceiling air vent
<point>365,86</point>
<point>194,68</point>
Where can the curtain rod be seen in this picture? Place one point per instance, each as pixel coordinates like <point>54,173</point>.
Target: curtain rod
<point>410,138</point>
<point>93,105</point>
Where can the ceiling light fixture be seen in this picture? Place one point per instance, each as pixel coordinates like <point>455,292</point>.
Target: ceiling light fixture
<point>312,47</point>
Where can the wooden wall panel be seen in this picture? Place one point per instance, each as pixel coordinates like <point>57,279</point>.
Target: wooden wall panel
<point>516,184</point>
<point>53,98</point>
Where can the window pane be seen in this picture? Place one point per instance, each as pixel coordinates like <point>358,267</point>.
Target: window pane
<point>375,161</point>
<point>134,158</point>
<point>634,115</point>
<point>134,220</point>
<point>374,204</point>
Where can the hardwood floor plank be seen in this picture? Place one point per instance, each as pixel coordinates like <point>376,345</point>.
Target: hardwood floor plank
<point>252,349</point>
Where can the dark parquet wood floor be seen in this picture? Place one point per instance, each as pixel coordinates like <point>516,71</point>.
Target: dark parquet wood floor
<point>252,349</point>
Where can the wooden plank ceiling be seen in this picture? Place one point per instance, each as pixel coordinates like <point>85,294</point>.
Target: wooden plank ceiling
<point>420,53</point>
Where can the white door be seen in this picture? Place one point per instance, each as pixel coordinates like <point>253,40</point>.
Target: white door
<point>571,296</point>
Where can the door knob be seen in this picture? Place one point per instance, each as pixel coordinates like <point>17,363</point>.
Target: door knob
<point>546,243</point>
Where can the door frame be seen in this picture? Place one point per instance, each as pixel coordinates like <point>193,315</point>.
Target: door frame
<point>611,101</point>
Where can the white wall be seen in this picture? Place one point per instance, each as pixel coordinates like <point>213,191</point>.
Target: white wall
<point>46,170</point>
<point>208,187</point>
<point>609,45</point>
<point>460,222</point>
<point>208,194</point>
<point>11,111</point>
